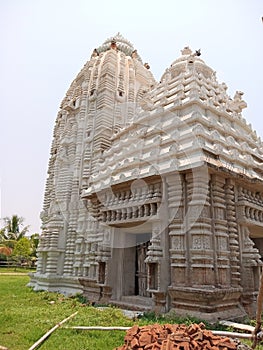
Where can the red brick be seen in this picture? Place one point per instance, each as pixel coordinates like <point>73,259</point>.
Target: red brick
<point>175,337</point>
<point>145,338</point>
<point>134,343</point>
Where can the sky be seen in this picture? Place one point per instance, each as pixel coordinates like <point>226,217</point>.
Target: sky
<point>45,43</point>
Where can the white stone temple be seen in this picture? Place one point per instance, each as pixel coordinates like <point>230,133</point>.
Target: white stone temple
<point>154,194</point>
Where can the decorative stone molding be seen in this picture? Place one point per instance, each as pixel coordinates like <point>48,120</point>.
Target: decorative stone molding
<point>249,206</point>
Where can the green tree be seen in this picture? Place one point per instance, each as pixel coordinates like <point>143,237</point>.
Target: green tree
<point>34,241</point>
<point>6,246</point>
<point>12,231</point>
<point>13,227</point>
<point>22,250</point>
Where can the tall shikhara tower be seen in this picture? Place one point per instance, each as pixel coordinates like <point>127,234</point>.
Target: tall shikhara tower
<point>154,195</point>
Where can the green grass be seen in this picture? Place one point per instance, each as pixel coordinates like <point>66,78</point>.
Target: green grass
<point>26,315</point>
<point>15,270</point>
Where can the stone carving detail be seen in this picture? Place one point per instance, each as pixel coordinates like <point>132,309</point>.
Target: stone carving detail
<point>178,252</point>
<point>234,245</point>
<point>220,226</point>
<point>250,206</point>
<point>126,205</point>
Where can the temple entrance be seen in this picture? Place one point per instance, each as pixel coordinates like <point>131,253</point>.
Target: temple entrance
<point>141,270</point>
<point>128,270</point>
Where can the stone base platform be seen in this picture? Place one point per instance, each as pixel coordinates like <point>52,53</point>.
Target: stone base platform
<point>134,303</point>
<point>207,304</point>
<point>54,283</point>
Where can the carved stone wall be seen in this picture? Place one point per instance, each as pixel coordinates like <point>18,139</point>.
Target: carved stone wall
<point>215,253</point>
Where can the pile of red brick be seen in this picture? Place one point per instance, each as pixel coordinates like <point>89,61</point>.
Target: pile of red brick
<point>175,337</point>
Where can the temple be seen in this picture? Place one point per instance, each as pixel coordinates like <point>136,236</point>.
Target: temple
<point>154,194</point>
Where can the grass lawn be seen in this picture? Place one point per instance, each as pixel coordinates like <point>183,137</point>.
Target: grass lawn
<point>25,316</point>
<point>4,270</point>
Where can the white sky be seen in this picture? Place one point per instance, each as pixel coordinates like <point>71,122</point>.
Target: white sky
<point>45,43</point>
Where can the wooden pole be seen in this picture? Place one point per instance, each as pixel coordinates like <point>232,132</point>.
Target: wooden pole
<point>233,334</point>
<point>99,328</point>
<point>243,327</point>
<point>34,346</point>
<point>120,328</point>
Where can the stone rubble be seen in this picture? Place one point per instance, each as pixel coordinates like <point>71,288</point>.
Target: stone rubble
<point>177,337</point>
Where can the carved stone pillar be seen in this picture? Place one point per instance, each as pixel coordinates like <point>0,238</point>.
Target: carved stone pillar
<point>160,302</point>
<point>154,259</point>
<point>53,251</point>
<point>70,250</point>
<point>220,232</point>
<point>179,253</point>
<point>233,233</point>
<point>41,252</point>
<point>199,229</point>
<point>79,256</point>
<point>51,266</point>
<point>103,256</point>
<point>155,250</point>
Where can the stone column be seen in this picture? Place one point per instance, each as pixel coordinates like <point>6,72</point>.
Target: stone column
<point>198,228</point>
<point>179,252</point>
<point>154,257</point>
<point>104,255</point>
<point>54,228</point>
<point>41,252</point>
<point>234,246</point>
<point>220,232</point>
<point>70,247</point>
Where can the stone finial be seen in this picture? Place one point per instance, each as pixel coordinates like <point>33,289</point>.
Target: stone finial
<point>113,45</point>
<point>186,51</point>
<point>134,54</point>
<point>95,53</point>
<point>146,65</point>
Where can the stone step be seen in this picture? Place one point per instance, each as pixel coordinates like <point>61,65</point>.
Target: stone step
<point>137,299</point>
<point>134,303</point>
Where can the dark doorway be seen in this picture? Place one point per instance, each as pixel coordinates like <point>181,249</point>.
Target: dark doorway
<point>141,269</point>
